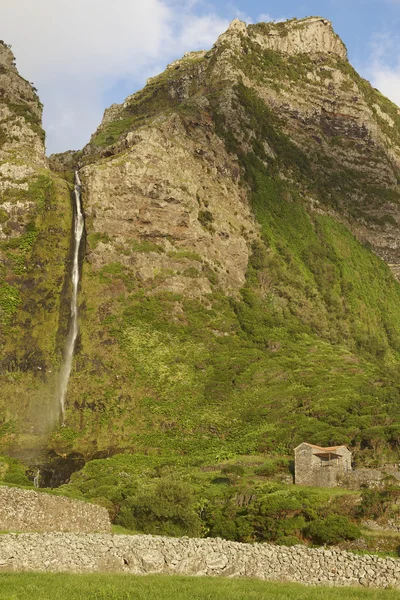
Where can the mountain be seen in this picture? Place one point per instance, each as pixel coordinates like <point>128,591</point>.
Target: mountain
<point>238,291</point>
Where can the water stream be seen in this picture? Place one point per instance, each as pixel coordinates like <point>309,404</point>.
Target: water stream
<point>65,371</point>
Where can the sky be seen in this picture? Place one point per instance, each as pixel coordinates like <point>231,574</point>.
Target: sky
<point>84,55</point>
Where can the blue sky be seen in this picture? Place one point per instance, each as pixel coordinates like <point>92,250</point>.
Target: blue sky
<point>84,55</point>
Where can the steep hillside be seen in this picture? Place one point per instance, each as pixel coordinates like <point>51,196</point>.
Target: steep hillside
<point>35,225</point>
<point>234,298</point>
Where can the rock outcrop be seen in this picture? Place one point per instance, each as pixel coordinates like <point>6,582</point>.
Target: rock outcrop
<point>22,151</point>
<point>313,35</point>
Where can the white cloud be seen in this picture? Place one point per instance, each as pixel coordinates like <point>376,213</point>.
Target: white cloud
<point>236,13</point>
<point>266,18</point>
<point>384,66</point>
<point>77,50</point>
<point>388,82</point>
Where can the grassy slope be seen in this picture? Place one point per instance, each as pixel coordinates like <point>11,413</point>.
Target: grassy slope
<point>126,587</point>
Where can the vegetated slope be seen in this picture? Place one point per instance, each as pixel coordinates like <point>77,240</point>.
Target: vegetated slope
<point>35,225</point>
<point>226,307</point>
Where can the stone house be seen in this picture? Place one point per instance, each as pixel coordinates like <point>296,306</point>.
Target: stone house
<point>321,467</point>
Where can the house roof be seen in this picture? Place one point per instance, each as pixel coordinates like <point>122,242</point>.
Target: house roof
<point>321,448</point>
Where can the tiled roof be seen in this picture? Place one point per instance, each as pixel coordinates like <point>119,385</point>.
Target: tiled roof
<point>322,449</point>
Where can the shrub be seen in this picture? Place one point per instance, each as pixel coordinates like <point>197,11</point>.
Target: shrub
<point>378,503</point>
<point>272,466</point>
<point>206,218</point>
<point>332,530</point>
<point>169,509</point>
<point>12,471</point>
<point>237,470</point>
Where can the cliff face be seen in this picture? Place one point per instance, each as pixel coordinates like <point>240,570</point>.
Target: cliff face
<point>348,131</point>
<point>22,150</point>
<point>35,221</point>
<point>230,297</point>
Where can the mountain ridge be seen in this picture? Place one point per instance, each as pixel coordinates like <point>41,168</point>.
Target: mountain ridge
<point>225,305</point>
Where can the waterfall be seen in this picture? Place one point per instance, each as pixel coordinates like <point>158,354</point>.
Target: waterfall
<point>74,326</point>
<point>36,479</point>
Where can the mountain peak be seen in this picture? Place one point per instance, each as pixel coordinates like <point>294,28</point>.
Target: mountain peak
<point>312,35</point>
<point>7,58</point>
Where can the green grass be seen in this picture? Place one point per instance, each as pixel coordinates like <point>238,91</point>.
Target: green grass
<point>128,587</point>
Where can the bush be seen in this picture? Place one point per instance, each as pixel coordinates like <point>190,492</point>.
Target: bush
<point>332,530</point>
<point>236,470</point>
<point>378,503</point>
<point>169,509</point>
<point>272,466</point>
<point>206,218</point>
<point>14,472</point>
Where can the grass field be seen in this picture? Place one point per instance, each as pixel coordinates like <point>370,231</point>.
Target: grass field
<point>26,586</point>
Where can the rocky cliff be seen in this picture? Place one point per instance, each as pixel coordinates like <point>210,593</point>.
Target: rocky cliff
<point>35,225</point>
<point>233,296</point>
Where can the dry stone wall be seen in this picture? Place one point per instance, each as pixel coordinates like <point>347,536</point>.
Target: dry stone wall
<point>140,555</point>
<point>27,510</point>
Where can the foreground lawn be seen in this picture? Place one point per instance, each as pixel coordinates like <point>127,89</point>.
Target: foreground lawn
<point>24,586</point>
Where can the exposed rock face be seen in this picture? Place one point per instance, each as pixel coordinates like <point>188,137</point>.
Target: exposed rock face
<point>27,510</point>
<point>313,35</point>
<point>22,150</point>
<point>20,118</point>
<point>65,161</point>
<point>142,555</point>
<point>330,111</point>
<point>300,69</point>
<point>179,194</point>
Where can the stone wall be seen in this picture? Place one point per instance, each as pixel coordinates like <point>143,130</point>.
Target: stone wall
<point>140,555</point>
<point>27,510</point>
<point>374,478</point>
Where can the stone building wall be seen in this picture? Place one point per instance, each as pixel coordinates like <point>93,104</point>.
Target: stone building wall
<point>312,470</point>
<point>140,555</point>
<point>27,510</point>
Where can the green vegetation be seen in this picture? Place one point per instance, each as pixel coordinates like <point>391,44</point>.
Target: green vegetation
<point>112,131</point>
<point>307,353</point>
<point>9,302</point>
<point>332,530</point>
<point>182,255</point>
<point>236,499</point>
<point>206,219</point>
<point>95,238</point>
<point>24,110</point>
<point>13,472</point>
<point>145,246</point>
<point>24,586</point>
<point>32,297</point>
<point>3,135</point>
